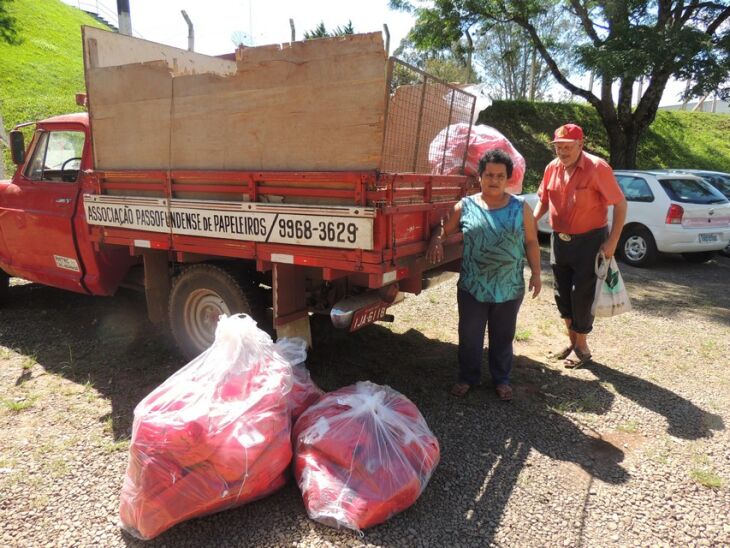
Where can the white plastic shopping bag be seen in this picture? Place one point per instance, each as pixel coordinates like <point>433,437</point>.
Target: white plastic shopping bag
<point>611,298</point>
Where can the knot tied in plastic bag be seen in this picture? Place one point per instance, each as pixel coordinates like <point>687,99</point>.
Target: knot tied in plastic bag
<point>362,454</point>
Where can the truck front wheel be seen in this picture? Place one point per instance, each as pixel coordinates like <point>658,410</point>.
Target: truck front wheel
<point>199,295</point>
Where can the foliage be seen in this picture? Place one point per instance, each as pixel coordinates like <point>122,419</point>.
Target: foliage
<point>449,65</point>
<point>49,41</point>
<point>621,41</point>
<point>676,139</point>
<point>512,65</point>
<point>320,31</point>
<point>8,31</point>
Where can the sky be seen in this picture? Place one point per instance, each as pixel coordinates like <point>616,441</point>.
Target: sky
<point>262,22</point>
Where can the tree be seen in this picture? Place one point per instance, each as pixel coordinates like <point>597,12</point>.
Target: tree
<point>449,65</point>
<point>510,63</point>
<point>8,31</point>
<point>320,31</point>
<point>620,41</point>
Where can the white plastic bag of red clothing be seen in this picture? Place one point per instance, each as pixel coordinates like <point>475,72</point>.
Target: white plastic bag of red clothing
<point>446,152</point>
<point>304,392</point>
<point>611,297</point>
<point>362,454</point>
<point>216,434</point>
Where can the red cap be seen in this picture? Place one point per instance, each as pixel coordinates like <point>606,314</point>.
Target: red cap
<point>567,134</point>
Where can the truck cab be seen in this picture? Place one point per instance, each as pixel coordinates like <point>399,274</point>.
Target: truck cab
<point>43,233</point>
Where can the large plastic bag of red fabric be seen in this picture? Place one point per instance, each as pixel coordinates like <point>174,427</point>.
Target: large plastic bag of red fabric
<point>303,391</point>
<point>362,454</point>
<point>446,152</point>
<point>216,434</point>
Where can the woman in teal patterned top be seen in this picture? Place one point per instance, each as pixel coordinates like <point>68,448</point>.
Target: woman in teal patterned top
<point>499,232</point>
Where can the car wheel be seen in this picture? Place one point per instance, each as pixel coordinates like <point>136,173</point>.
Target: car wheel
<point>725,252</point>
<point>637,247</point>
<point>698,257</point>
<point>199,295</point>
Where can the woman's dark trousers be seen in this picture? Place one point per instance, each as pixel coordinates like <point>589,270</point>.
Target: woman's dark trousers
<point>474,317</point>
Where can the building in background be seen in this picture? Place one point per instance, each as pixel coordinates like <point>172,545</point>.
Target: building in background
<point>709,105</point>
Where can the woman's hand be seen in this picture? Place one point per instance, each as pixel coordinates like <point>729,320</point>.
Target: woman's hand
<point>435,251</point>
<point>535,285</point>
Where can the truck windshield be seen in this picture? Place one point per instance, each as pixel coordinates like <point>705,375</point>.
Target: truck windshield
<point>56,156</point>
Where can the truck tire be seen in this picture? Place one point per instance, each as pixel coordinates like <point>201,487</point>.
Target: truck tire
<point>199,295</point>
<point>636,246</point>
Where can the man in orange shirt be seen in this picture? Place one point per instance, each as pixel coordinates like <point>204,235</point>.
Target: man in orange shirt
<point>577,189</point>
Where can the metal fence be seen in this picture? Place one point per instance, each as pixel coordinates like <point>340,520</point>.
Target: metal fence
<point>427,122</point>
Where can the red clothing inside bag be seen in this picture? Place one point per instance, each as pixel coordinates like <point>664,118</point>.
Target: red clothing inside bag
<point>362,454</point>
<point>215,435</point>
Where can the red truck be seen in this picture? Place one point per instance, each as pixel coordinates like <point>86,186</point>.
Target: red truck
<point>205,242</point>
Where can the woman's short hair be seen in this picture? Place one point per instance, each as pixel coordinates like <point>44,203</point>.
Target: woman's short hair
<point>496,156</point>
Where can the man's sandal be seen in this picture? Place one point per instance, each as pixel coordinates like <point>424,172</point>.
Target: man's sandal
<point>504,392</point>
<point>584,358</point>
<point>561,354</point>
<point>460,389</point>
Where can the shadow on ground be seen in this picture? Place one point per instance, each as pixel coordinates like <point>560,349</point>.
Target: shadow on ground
<point>485,443</point>
<point>673,283</point>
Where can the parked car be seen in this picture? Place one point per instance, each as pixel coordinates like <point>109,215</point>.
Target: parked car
<point>668,213</point>
<point>718,179</point>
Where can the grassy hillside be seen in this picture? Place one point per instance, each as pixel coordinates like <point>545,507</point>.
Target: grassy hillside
<point>676,139</point>
<point>40,76</point>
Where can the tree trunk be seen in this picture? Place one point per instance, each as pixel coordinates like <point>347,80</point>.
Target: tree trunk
<point>623,144</point>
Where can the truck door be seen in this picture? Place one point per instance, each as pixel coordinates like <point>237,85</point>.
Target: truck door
<point>38,209</point>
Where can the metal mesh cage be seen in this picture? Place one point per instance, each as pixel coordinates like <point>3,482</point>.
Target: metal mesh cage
<point>427,123</point>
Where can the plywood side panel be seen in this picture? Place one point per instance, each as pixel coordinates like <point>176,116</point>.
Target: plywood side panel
<point>129,107</point>
<point>311,50</point>
<point>313,106</point>
<point>316,105</point>
<point>108,49</point>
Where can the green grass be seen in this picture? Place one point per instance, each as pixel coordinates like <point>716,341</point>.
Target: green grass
<point>629,427</point>
<point>522,335</point>
<point>16,406</point>
<point>706,478</point>
<point>675,139</point>
<point>28,362</point>
<point>40,75</point>
<point>585,404</point>
<point>116,446</point>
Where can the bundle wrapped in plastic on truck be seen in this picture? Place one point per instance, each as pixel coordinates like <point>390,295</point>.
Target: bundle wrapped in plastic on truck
<point>446,152</point>
<point>362,454</point>
<point>215,435</point>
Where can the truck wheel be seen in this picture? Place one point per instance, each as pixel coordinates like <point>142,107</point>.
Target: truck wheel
<point>636,247</point>
<point>199,295</point>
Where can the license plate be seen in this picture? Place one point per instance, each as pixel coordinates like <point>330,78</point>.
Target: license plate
<point>369,314</point>
<point>709,238</point>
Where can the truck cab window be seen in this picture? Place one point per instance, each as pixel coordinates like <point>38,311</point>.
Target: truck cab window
<point>56,156</point>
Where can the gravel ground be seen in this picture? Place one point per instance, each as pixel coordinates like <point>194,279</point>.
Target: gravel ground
<point>630,451</point>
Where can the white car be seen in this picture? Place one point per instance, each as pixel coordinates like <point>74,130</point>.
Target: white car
<point>668,213</point>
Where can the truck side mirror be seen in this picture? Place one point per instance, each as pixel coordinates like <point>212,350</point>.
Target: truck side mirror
<point>17,147</point>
